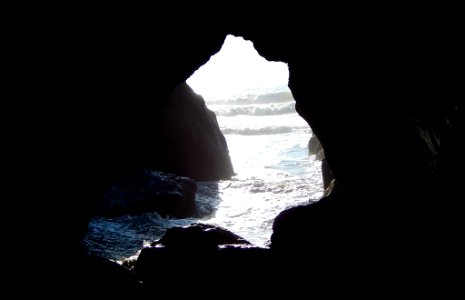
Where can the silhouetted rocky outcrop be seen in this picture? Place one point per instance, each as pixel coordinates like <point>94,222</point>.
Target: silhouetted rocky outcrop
<point>202,254</point>
<point>315,148</point>
<point>193,143</point>
<point>199,236</point>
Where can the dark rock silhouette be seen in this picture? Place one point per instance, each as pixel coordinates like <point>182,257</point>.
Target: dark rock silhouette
<point>201,254</point>
<point>315,148</point>
<point>199,236</point>
<point>192,140</point>
<point>150,191</point>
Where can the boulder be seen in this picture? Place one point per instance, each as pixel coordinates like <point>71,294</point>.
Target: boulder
<point>199,236</point>
<point>191,138</point>
<point>200,256</point>
<point>315,148</point>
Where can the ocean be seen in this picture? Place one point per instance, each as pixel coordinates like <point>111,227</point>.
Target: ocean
<point>267,142</point>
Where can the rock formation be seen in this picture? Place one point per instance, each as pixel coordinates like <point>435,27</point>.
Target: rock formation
<point>199,255</point>
<point>391,92</point>
<point>193,143</point>
<point>315,148</point>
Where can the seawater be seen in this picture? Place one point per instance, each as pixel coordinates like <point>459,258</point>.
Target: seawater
<point>267,142</point>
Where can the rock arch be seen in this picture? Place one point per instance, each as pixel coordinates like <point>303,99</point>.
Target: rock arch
<point>382,101</point>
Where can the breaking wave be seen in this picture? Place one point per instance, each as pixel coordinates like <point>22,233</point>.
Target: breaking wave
<point>276,97</point>
<point>263,131</point>
<point>254,110</point>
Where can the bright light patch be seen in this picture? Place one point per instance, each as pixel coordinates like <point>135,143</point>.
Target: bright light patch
<point>237,70</point>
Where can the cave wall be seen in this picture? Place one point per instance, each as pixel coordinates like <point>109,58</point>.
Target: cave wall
<point>132,73</point>
<point>112,79</point>
<point>378,92</point>
<point>383,101</point>
<point>367,91</point>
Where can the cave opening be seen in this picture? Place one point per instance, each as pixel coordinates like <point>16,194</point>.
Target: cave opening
<point>268,141</point>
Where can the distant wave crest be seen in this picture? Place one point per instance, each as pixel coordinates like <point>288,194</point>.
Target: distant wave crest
<point>276,97</point>
<point>262,131</point>
<point>255,110</point>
